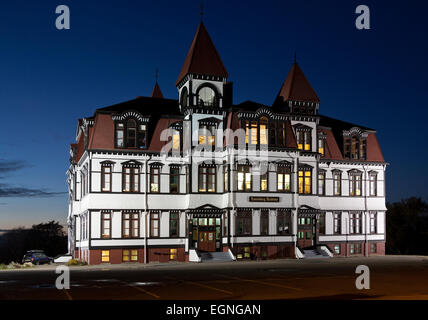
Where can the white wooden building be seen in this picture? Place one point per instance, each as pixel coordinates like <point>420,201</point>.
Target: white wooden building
<point>155,179</point>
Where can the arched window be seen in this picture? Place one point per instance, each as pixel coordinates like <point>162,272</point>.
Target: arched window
<point>131,133</point>
<point>184,98</point>
<point>207,97</point>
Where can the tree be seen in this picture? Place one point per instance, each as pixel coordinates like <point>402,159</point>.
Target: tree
<point>407,227</point>
<point>49,237</point>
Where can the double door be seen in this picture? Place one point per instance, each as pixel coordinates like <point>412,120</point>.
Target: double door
<point>207,241</point>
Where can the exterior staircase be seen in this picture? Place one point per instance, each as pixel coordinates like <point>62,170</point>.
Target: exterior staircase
<point>315,253</point>
<point>216,257</point>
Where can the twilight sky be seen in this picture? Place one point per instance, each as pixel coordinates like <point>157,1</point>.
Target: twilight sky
<point>50,78</point>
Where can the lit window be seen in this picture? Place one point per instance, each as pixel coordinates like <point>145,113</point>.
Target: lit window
<point>244,178</point>
<point>172,254</point>
<point>250,132</point>
<point>355,184</point>
<point>105,178</point>
<point>206,97</point>
<point>321,147</point>
<point>207,134</point>
<point>176,140</point>
<point>105,225</point>
<point>125,255</point>
<point>264,182</point>
<point>355,147</point>
<point>263,131</point>
<point>304,140</point>
<point>130,179</point>
<point>284,178</point>
<point>154,179</point>
<point>305,181</point>
<point>337,248</point>
<point>105,255</point>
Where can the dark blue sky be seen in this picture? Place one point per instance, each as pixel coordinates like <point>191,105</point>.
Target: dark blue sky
<point>50,78</point>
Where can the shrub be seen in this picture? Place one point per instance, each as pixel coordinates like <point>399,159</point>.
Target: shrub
<point>75,262</point>
<point>2,266</point>
<point>72,262</point>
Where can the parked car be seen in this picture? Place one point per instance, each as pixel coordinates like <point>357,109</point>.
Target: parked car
<point>36,257</point>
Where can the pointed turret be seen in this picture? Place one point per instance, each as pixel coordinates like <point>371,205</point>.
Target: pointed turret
<point>202,57</point>
<point>157,93</point>
<point>297,88</point>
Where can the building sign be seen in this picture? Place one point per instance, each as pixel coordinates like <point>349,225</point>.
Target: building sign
<point>264,199</point>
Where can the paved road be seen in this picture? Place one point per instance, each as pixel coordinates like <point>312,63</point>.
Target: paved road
<point>399,277</point>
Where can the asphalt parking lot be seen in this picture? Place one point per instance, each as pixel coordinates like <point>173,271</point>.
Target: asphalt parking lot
<point>391,277</point>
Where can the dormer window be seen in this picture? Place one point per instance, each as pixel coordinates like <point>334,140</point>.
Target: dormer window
<point>142,136</point>
<point>322,137</point>
<point>277,133</point>
<point>263,131</point>
<point>355,144</point>
<point>131,133</point>
<point>120,135</point>
<point>206,97</point>
<point>304,137</point>
<point>176,140</point>
<point>304,140</point>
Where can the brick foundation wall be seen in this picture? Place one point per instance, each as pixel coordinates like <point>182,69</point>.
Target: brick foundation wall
<point>260,252</point>
<point>345,250</point>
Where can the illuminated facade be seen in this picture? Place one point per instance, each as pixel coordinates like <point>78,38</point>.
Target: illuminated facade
<point>155,179</point>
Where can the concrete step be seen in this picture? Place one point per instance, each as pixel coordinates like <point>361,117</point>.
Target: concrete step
<point>215,256</point>
<point>313,254</point>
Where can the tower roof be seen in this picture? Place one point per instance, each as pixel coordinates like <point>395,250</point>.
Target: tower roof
<point>296,87</point>
<point>202,57</point>
<point>157,93</point>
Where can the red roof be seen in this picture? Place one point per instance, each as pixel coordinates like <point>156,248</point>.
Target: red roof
<point>202,57</point>
<point>374,152</point>
<point>103,136</point>
<point>156,144</point>
<point>296,87</point>
<point>157,93</point>
<point>332,150</point>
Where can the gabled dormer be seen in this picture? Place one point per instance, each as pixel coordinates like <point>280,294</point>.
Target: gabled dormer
<point>202,79</point>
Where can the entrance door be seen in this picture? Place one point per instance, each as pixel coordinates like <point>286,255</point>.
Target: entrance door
<point>305,232</point>
<point>207,241</point>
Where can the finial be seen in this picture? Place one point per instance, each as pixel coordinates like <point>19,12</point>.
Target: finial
<point>295,57</point>
<point>157,74</point>
<point>202,10</point>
